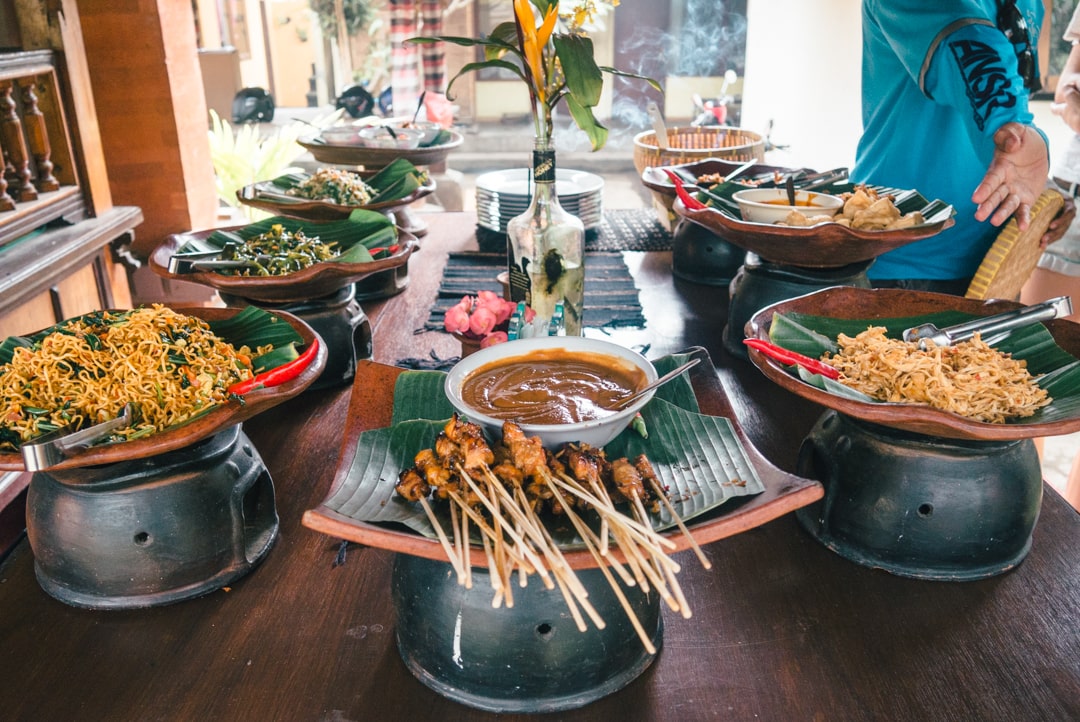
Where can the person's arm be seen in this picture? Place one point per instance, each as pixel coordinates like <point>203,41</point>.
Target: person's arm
<point>1067,93</point>
<point>974,70</point>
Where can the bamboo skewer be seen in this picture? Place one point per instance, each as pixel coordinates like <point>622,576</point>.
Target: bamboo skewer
<point>465,550</point>
<point>458,547</point>
<point>682,527</point>
<point>612,582</point>
<point>442,537</point>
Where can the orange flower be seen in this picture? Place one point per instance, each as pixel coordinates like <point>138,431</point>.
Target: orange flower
<point>534,40</point>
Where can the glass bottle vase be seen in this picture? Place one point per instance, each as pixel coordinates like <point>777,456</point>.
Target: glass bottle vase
<point>546,255</point>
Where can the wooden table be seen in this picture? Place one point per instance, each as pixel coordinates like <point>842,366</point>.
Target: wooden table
<point>782,628</point>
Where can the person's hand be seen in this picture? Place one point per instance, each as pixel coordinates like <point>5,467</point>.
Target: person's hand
<point>1016,177</point>
<point>1066,105</point>
<point>1060,224</point>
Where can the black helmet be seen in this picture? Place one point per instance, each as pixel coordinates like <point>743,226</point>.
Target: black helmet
<point>356,100</point>
<point>252,105</point>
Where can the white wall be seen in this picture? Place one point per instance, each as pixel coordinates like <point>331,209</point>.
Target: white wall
<point>803,72</point>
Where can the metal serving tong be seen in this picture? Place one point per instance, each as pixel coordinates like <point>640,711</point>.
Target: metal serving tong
<point>1000,324</point>
<point>180,263</point>
<point>55,446</point>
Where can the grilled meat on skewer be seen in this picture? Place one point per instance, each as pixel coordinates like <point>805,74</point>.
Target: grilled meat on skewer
<point>411,485</point>
<point>627,480</point>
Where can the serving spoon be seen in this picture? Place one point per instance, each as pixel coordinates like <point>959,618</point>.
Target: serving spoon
<point>627,400</point>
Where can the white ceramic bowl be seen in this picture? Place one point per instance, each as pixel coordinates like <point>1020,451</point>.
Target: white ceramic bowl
<point>596,432</point>
<point>428,131</point>
<point>341,135</point>
<point>380,136</point>
<point>770,205</point>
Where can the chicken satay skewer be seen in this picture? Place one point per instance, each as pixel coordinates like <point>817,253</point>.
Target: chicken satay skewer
<point>630,484</point>
<point>496,563</point>
<point>569,576</point>
<point>612,582</point>
<point>629,578</point>
<point>526,551</point>
<point>450,553</point>
<point>485,529</point>
<point>413,487</point>
<point>647,473</point>
<point>644,534</point>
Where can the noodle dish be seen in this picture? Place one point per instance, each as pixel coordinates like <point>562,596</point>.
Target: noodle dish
<point>171,368</point>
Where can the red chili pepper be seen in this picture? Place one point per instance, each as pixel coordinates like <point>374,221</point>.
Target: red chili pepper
<point>688,200</point>
<point>785,356</point>
<point>278,375</point>
<point>380,251</point>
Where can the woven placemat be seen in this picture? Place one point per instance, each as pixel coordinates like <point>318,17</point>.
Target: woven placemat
<point>611,299</point>
<point>624,229</point>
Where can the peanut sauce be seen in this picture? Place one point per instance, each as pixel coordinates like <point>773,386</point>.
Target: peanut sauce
<point>551,386</point>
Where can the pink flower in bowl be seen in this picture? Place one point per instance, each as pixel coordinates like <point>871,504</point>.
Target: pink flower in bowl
<point>484,317</point>
<point>457,317</point>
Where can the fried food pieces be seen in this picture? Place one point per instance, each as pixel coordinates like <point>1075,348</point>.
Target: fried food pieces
<point>864,209</point>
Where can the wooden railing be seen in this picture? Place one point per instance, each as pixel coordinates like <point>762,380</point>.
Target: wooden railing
<point>40,180</point>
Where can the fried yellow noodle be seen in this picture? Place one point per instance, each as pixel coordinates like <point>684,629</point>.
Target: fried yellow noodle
<point>969,378</point>
<point>170,366</point>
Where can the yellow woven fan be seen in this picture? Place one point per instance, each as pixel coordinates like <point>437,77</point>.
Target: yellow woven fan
<point>1009,262</point>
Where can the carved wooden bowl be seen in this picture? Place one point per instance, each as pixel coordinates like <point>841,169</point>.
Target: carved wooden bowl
<point>220,417</point>
<point>846,302</point>
<point>315,281</point>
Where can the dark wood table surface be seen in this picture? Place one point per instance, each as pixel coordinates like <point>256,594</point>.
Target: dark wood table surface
<point>782,628</point>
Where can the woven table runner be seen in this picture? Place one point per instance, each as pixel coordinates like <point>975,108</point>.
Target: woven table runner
<point>625,229</point>
<point>611,299</point>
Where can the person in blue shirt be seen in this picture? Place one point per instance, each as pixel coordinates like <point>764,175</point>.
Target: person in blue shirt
<point>945,90</point>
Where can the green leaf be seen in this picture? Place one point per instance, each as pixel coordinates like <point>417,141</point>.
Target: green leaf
<point>490,63</point>
<point>254,327</point>
<point>7,348</point>
<point>274,358</point>
<point>583,78</point>
<point>585,120</point>
<point>622,73</point>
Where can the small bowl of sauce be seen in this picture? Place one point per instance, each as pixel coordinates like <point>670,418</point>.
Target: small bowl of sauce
<point>771,205</point>
<point>560,388</point>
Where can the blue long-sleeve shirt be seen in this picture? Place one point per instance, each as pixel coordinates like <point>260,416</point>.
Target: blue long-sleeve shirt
<point>938,79</point>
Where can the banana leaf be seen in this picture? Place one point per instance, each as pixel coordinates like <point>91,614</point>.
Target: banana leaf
<point>1054,368</point>
<point>397,180</point>
<point>362,231</point>
<point>698,458</point>
<point>254,327</point>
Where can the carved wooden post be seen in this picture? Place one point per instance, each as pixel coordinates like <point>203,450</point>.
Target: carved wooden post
<point>11,133</point>
<point>7,203</point>
<point>38,137</point>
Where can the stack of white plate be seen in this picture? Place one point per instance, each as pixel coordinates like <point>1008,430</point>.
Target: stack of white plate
<point>501,195</point>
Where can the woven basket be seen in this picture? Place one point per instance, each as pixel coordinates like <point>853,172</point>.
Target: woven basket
<point>686,145</point>
<point>1007,265</point>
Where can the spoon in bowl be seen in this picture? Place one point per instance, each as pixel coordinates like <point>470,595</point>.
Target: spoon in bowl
<point>627,400</point>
